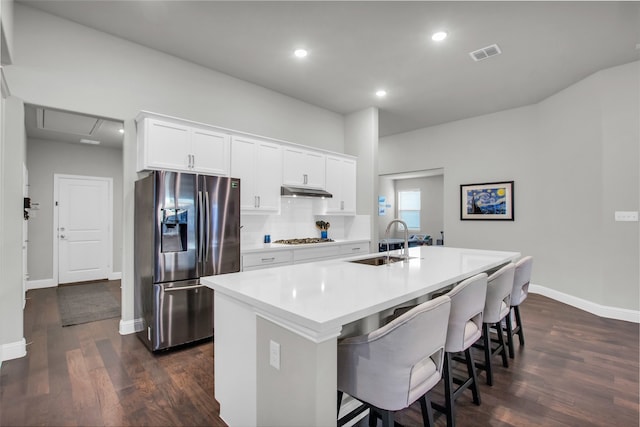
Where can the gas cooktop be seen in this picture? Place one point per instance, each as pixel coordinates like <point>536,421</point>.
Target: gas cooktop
<point>303,241</point>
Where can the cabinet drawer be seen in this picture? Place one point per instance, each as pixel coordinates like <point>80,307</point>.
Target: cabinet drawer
<point>265,259</point>
<point>355,249</point>
<point>310,254</point>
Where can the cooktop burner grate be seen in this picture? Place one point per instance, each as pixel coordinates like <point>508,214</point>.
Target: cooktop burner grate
<point>303,241</point>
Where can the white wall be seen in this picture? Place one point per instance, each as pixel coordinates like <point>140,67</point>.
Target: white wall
<point>431,204</point>
<point>46,158</point>
<point>64,65</point>
<point>361,140</point>
<point>11,196</point>
<point>6,29</point>
<point>574,158</point>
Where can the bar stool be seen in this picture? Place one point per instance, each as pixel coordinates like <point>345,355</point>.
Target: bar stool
<point>464,329</point>
<point>519,293</point>
<point>496,308</point>
<point>394,366</point>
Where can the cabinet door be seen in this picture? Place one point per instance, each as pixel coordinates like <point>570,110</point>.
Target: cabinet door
<point>243,167</point>
<point>334,183</point>
<point>210,152</point>
<point>303,168</point>
<point>268,167</point>
<point>166,145</point>
<point>341,183</point>
<point>258,164</point>
<point>348,186</point>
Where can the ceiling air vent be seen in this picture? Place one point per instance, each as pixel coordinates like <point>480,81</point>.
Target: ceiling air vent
<point>485,52</point>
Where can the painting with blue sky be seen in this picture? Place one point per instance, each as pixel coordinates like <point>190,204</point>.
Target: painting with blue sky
<point>487,201</point>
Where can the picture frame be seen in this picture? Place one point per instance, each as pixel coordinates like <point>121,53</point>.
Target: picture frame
<point>487,201</point>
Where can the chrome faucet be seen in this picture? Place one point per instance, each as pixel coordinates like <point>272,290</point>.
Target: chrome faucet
<point>405,250</point>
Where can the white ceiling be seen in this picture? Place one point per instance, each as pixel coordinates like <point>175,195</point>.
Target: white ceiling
<point>356,48</point>
<point>57,125</point>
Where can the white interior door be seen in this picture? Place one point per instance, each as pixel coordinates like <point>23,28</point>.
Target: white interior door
<point>84,220</point>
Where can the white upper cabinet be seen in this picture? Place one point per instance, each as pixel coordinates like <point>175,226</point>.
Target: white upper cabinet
<point>303,168</point>
<point>341,183</point>
<point>258,164</point>
<point>170,145</point>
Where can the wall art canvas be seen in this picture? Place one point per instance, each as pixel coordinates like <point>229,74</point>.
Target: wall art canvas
<point>487,201</point>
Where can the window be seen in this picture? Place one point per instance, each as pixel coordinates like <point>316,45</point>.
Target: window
<point>409,208</point>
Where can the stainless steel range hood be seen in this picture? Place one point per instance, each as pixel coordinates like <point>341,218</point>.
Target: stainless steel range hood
<point>288,191</point>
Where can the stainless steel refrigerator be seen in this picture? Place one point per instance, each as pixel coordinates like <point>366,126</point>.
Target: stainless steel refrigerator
<point>186,226</point>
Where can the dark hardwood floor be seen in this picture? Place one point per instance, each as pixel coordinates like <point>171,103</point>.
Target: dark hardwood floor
<point>575,370</point>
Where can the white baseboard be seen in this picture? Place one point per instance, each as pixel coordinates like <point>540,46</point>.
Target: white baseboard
<point>116,275</point>
<point>131,326</point>
<point>592,307</point>
<point>13,350</point>
<point>39,284</point>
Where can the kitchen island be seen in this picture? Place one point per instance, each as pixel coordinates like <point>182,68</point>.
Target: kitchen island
<point>276,330</point>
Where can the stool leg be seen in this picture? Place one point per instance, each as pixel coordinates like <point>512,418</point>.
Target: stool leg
<point>471,369</point>
<point>387,418</point>
<point>510,334</point>
<point>487,352</point>
<point>519,322</point>
<point>373,417</point>
<point>339,402</point>
<point>502,345</point>
<point>448,391</point>
<point>427,412</point>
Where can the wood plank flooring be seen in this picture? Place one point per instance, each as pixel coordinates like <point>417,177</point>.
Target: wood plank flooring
<point>575,370</point>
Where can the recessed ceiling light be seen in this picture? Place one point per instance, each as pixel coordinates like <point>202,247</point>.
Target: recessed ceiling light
<point>300,53</point>
<point>121,130</point>
<point>89,141</point>
<point>439,36</point>
<point>381,93</point>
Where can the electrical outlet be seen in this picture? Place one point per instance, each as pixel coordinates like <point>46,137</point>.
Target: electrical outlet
<point>626,216</point>
<point>274,354</point>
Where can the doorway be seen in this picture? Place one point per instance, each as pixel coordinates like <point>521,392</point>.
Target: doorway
<point>83,224</point>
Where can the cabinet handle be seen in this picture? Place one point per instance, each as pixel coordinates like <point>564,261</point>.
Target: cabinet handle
<point>355,249</point>
<point>193,161</point>
<point>256,201</point>
<point>341,205</point>
<point>268,259</point>
<point>305,179</point>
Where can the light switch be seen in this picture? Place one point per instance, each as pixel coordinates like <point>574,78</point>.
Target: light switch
<point>274,354</point>
<point>626,216</point>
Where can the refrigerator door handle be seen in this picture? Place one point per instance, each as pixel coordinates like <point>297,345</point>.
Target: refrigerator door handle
<point>207,225</point>
<point>201,224</point>
<point>184,288</point>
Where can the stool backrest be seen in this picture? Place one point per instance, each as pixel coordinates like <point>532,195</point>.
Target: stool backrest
<point>498,301</point>
<point>390,366</point>
<point>521,280</point>
<point>467,304</point>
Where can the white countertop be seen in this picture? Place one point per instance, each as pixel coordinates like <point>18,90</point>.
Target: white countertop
<point>323,296</point>
<point>261,247</point>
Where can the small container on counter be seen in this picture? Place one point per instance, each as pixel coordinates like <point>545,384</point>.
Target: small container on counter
<point>267,238</point>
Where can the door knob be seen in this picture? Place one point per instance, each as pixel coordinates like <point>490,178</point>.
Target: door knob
<point>61,228</point>
<point>62,236</point>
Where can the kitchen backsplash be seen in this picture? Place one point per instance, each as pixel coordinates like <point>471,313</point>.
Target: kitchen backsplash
<point>297,220</point>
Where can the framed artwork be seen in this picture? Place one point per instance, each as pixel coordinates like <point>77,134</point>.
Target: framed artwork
<point>488,201</point>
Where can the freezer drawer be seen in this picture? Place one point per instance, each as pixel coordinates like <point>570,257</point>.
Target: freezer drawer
<point>183,313</point>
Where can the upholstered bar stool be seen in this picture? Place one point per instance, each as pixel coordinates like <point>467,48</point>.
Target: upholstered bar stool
<point>465,328</point>
<point>394,366</point>
<point>496,308</point>
<point>519,293</point>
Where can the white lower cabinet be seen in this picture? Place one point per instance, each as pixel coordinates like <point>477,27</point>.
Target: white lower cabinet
<point>266,259</point>
<point>300,255</point>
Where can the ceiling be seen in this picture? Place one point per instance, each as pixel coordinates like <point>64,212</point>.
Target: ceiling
<point>64,126</point>
<point>356,48</point>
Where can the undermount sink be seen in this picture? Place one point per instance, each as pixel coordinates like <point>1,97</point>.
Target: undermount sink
<point>379,260</point>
